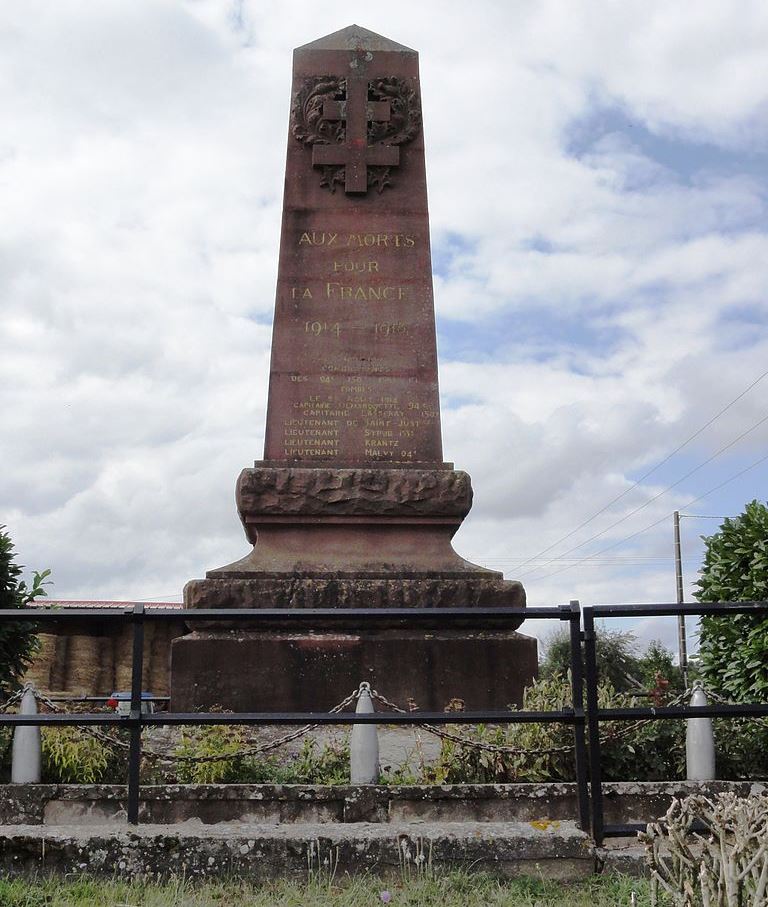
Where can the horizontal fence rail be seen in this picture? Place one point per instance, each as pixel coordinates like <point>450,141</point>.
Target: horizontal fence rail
<point>495,716</point>
<point>584,715</point>
<point>288,615</point>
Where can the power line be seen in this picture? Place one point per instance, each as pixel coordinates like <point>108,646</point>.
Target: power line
<point>549,561</point>
<point>661,493</point>
<point>656,522</point>
<point>661,520</point>
<point>651,471</point>
<point>619,557</point>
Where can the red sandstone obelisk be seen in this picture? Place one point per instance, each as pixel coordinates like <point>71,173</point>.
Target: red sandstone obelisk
<point>352,505</point>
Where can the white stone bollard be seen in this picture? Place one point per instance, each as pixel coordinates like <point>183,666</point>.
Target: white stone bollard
<point>26,755</point>
<point>364,743</point>
<point>699,743</point>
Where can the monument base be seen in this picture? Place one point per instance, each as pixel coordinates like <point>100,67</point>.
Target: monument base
<point>280,671</point>
<point>349,538</point>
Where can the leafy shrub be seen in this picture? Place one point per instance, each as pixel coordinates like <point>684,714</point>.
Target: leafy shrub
<point>658,669</point>
<point>734,649</point>
<point>459,763</point>
<point>616,660</point>
<point>741,749</point>
<point>642,751</point>
<point>206,741</point>
<point>312,764</point>
<point>18,640</point>
<point>72,756</point>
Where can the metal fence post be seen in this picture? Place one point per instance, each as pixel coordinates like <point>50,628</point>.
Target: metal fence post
<point>593,726</point>
<point>134,718</point>
<point>699,742</point>
<point>26,751</point>
<point>577,696</point>
<point>364,743</point>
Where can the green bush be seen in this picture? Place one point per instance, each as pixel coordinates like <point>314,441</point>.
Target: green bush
<point>734,649</point>
<point>614,650</point>
<point>618,661</point>
<point>459,763</point>
<point>639,751</point>
<point>312,764</point>
<point>741,749</point>
<point>205,741</point>
<point>73,756</point>
<point>18,640</point>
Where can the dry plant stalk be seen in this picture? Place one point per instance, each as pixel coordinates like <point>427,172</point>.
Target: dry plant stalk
<point>723,865</point>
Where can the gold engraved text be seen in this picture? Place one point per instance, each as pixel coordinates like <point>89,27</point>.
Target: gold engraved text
<point>316,328</point>
<point>335,290</point>
<point>357,267</point>
<point>388,328</point>
<point>357,240</point>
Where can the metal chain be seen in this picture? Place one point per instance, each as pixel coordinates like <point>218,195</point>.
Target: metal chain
<point>461,739</point>
<point>255,750</point>
<point>218,757</point>
<point>109,740</point>
<point>624,730</point>
<point>13,700</point>
<point>495,747</point>
<point>756,719</point>
<point>94,732</point>
<point>468,741</point>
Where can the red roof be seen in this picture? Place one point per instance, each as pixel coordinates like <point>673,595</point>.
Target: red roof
<point>149,606</point>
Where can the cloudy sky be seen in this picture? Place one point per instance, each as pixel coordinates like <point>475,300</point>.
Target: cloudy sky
<point>598,184</point>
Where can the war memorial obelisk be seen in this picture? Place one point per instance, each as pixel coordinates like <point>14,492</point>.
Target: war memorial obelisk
<point>352,505</point>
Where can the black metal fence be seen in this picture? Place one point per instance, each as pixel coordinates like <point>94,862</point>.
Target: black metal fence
<point>595,714</point>
<point>585,721</point>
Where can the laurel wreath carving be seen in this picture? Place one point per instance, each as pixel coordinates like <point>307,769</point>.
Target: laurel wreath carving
<point>309,127</point>
<point>307,122</point>
<point>405,117</point>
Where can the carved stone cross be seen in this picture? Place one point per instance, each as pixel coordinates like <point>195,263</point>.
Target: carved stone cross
<point>356,155</point>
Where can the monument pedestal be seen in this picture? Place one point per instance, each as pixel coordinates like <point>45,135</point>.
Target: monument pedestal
<point>312,672</point>
<point>350,538</point>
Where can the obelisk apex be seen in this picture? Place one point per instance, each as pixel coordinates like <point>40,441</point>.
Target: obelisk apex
<point>353,378</point>
<point>355,37</point>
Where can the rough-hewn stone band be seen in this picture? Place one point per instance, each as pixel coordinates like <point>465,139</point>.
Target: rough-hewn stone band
<point>267,491</point>
<point>333,592</point>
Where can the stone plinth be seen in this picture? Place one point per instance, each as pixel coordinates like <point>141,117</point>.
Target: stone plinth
<point>315,671</point>
<point>351,538</point>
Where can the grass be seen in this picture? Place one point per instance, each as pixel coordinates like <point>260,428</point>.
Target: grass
<point>455,889</point>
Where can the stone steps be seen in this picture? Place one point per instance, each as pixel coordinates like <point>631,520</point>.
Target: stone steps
<point>268,831</point>
<point>262,852</point>
<point>272,804</point>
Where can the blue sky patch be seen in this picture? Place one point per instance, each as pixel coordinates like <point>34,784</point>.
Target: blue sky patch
<point>683,157</point>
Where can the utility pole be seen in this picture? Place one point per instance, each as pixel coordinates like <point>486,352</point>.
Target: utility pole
<point>682,643</point>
